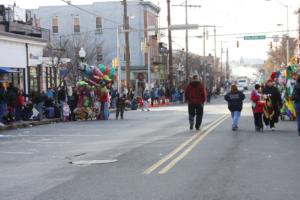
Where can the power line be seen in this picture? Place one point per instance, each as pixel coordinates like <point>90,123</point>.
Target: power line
<point>89,12</point>
<point>239,34</point>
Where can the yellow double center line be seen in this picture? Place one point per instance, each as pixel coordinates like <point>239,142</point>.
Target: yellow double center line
<point>194,140</point>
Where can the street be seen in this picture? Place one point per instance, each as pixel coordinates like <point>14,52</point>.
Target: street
<point>152,155</point>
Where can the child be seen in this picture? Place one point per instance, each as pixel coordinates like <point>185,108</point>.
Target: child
<point>120,105</point>
<point>146,98</point>
<point>257,107</point>
<point>66,111</point>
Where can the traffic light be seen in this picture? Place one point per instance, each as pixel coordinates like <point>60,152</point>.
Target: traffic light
<point>271,45</point>
<point>237,44</point>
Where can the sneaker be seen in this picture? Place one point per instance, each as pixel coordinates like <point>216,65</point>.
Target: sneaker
<point>273,128</point>
<point>234,128</point>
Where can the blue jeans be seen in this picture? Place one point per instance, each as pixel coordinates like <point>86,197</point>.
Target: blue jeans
<point>3,110</point>
<point>235,116</point>
<point>297,109</point>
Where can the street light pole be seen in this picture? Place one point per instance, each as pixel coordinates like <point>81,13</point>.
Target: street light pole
<point>118,58</point>
<point>287,36</point>
<point>149,67</point>
<point>186,44</point>
<point>287,30</point>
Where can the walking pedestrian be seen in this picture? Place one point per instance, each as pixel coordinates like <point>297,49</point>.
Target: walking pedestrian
<point>272,105</point>
<point>121,102</point>
<point>235,105</point>
<point>195,96</point>
<point>257,107</point>
<point>296,99</point>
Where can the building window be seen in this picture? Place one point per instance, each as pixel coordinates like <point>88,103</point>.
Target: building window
<point>99,51</point>
<point>76,25</point>
<point>98,24</point>
<point>37,23</point>
<point>55,24</point>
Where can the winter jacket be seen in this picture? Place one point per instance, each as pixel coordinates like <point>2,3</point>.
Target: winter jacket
<point>146,96</point>
<point>275,96</point>
<point>257,105</point>
<point>61,95</point>
<point>296,93</point>
<point>195,93</point>
<point>121,102</point>
<point>12,97</point>
<point>3,95</point>
<point>20,101</point>
<point>235,101</point>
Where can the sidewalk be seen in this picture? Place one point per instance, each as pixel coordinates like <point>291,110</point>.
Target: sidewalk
<point>24,124</point>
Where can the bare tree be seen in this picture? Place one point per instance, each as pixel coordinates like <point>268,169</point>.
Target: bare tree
<point>73,44</point>
<point>277,56</point>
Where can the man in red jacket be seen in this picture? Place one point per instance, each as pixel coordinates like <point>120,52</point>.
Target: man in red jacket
<point>195,96</point>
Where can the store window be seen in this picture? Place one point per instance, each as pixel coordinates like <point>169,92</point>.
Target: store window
<point>33,79</point>
<point>99,53</point>
<point>76,25</point>
<point>99,24</point>
<point>17,78</point>
<point>54,24</point>
<point>37,23</point>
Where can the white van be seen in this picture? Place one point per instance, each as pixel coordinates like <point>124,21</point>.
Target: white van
<point>242,84</point>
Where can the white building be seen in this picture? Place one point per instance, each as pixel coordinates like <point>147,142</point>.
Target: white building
<point>23,54</point>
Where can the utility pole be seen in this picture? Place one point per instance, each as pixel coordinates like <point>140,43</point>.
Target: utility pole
<point>215,53</point>
<point>187,37</point>
<point>186,45</point>
<point>127,53</point>
<point>227,64</point>
<point>171,71</point>
<point>204,37</point>
<point>221,61</point>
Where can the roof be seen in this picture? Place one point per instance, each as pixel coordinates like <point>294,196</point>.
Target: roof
<point>23,37</point>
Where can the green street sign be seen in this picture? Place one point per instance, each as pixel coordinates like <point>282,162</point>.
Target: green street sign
<point>255,37</point>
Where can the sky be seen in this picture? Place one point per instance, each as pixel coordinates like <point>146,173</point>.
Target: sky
<point>231,17</point>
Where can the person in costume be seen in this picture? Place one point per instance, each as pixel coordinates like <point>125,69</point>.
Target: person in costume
<point>296,99</point>
<point>273,104</point>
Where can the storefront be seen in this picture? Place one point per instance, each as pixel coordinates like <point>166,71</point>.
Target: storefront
<point>23,55</point>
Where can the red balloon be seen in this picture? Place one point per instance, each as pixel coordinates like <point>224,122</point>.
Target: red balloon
<point>106,70</point>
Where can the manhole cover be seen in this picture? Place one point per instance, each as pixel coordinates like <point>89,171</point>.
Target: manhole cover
<point>92,162</point>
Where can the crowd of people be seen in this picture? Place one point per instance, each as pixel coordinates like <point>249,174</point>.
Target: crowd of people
<point>266,102</point>
<point>61,103</point>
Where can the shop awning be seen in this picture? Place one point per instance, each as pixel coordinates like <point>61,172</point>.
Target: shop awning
<point>7,70</point>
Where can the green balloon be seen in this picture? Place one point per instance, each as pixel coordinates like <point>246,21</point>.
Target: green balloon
<point>101,67</point>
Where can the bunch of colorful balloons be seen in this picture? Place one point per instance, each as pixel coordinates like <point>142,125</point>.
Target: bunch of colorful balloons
<point>100,73</point>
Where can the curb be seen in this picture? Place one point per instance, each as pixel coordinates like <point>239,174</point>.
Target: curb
<point>28,124</point>
<point>34,123</point>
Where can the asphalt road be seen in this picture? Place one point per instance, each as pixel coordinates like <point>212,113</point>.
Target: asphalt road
<point>153,156</point>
